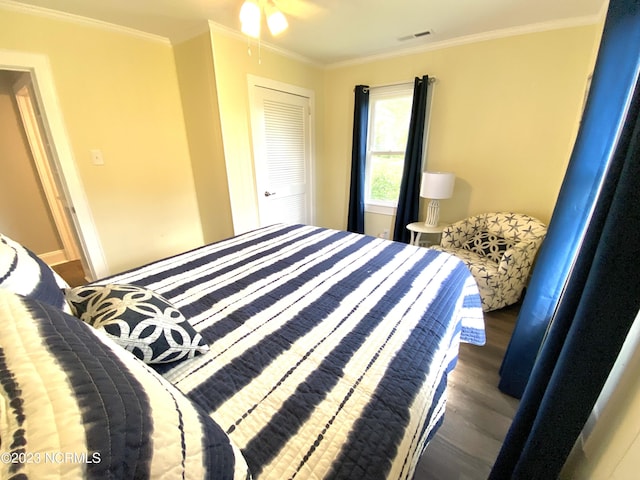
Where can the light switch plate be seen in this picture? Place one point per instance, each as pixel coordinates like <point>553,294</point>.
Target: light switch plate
<point>96,157</point>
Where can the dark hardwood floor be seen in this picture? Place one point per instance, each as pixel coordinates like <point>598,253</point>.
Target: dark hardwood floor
<point>478,415</point>
<point>72,272</point>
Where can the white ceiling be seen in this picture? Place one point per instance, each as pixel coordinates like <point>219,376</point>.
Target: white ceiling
<point>333,31</point>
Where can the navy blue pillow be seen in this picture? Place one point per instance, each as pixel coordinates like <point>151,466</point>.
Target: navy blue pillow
<point>138,319</point>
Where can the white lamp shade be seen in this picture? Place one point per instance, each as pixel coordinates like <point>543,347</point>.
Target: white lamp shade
<point>437,185</point>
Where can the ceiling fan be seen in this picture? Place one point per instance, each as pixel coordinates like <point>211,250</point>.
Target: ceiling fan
<point>251,18</point>
<point>276,13</point>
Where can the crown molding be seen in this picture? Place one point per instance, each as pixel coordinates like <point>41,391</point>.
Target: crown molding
<point>185,35</point>
<point>480,37</point>
<point>79,20</point>
<point>213,26</point>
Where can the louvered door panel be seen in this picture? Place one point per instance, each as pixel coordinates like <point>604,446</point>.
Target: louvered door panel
<point>281,156</point>
<point>284,132</point>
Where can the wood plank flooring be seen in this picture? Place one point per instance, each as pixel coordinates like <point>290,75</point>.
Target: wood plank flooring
<point>478,415</point>
<point>72,272</point>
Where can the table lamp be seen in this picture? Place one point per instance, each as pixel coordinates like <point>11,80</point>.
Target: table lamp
<point>436,186</point>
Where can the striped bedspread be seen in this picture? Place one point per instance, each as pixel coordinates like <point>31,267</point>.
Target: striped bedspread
<point>329,350</point>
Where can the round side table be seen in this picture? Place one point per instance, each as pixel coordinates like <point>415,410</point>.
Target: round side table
<point>418,228</point>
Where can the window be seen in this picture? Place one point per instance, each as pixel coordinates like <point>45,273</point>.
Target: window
<point>389,116</point>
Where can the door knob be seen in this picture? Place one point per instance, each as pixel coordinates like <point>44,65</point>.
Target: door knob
<point>268,194</point>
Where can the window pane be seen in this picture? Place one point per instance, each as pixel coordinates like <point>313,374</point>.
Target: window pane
<point>385,177</point>
<point>391,124</point>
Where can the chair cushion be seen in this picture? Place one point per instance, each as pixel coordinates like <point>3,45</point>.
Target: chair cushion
<point>489,245</point>
<point>486,273</point>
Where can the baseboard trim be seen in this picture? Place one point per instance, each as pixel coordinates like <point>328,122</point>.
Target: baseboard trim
<point>54,258</point>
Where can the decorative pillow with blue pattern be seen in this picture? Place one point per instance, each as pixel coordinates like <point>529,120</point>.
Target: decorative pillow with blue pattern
<point>488,245</point>
<point>22,272</point>
<point>138,319</point>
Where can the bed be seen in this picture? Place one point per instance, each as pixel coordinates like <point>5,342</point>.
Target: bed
<point>310,353</point>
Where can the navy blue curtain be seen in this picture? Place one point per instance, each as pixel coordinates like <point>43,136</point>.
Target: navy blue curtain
<point>409,199</point>
<point>607,102</point>
<point>601,297</point>
<point>355,220</point>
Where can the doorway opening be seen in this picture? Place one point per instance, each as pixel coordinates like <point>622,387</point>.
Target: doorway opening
<point>29,82</point>
<point>34,210</point>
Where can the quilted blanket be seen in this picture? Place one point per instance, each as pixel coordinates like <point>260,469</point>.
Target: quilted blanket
<point>329,351</point>
<point>75,405</point>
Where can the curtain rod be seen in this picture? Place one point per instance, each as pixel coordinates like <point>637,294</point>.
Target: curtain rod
<point>409,82</point>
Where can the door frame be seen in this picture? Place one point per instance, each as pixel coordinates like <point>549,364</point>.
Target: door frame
<point>62,159</point>
<point>32,123</point>
<point>256,81</point>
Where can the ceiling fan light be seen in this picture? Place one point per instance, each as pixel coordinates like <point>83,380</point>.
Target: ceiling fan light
<point>251,29</point>
<point>250,12</point>
<point>276,21</point>
<point>250,18</point>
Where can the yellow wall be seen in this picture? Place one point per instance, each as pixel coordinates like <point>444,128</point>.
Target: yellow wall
<point>24,212</point>
<point>119,93</point>
<point>194,63</point>
<point>503,119</point>
<point>232,66</point>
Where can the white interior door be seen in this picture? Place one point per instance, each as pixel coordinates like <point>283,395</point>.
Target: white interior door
<point>282,156</point>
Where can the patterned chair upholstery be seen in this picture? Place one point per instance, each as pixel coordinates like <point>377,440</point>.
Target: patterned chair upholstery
<point>499,249</point>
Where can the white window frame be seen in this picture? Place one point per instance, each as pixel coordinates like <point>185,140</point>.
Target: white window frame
<point>379,93</point>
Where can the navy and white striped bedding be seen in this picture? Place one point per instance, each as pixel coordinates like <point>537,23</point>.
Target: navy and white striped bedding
<point>22,272</point>
<point>73,404</point>
<point>329,350</point>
